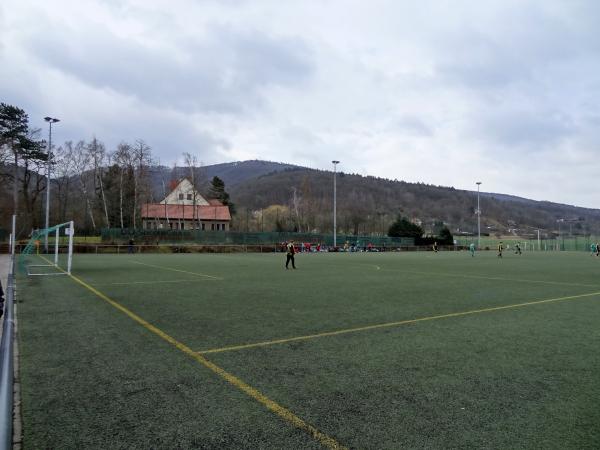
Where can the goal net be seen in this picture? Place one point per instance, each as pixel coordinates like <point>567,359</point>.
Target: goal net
<point>58,259</point>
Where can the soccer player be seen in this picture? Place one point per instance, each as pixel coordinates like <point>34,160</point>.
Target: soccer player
<point>290,255</point>
<point>592,249</point>
<point>472,249</point>
<point>500,249</point>
<point>435,247</point>
<point>517,249</point>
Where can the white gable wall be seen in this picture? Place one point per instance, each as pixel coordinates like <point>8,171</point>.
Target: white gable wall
<point>183,194</point>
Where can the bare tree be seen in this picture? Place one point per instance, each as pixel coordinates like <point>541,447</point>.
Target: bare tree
<point>191,161</point>
<point>64,170</point>
<point>296,201</point>
<point>81,165</point>
<point>123,158</point>
<point>98,158</point>
<point>164,189</point>
<point>142,159</point>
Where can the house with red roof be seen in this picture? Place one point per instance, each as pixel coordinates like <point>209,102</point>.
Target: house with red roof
<point>186,209</point>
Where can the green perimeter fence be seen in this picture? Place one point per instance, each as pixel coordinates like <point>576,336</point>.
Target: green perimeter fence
<point>169,241</point>
<point>140,236</point>
<point>567,243</point>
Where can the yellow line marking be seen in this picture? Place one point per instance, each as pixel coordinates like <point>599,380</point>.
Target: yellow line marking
<point>391,324</point>
<point>282,412</point>
<point>176,270</point>
<point>483,277</point>
<point>151,282</point>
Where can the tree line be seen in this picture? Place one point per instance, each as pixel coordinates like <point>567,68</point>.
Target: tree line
<point>96,187</point>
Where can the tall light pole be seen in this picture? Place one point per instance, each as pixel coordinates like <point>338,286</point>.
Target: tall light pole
<point>559,233</point>
<point>50,121</point>
<point>335,163</point>
<point>478,183</point>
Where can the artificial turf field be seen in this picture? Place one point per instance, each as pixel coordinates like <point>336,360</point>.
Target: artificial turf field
<point>366,351</point>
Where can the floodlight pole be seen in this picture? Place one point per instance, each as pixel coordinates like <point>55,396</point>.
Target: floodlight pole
<point>478,183</point>
<point>559,233</point>
<point>50,121</point>
<point>335,163</point>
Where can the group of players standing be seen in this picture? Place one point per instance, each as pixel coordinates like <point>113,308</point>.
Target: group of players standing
<point>500,249</point>
<point>290,251</point>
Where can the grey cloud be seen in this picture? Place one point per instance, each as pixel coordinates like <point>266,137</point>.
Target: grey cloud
<point>412,126</point>
<point>521,47</point>
<point>225,73</point>
<point>516,128</point>
<point>301,135</point>
<point>166,146</point>
<point>480,62</point>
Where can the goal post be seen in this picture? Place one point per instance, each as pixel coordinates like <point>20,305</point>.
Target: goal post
<point>56,265</point>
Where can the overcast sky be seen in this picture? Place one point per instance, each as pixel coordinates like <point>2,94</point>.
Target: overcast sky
<point>443,92</point>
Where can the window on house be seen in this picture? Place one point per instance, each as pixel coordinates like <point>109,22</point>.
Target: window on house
<point>189,196</point>
<point>212,226</point>
<point>203,226</point>
<point>180,196</point>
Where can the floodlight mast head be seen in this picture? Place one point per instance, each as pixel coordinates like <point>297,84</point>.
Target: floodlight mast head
<point>51,119</point>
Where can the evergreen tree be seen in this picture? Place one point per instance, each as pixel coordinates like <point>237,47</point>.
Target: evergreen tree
<point>217,190</point>
<point>403,227</point>
<point>26,151</point>
<point>445,237</point>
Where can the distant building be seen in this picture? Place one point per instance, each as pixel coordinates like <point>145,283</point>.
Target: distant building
<point>185,209</point>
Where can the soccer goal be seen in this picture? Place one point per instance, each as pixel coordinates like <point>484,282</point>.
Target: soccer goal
<point>60,262</point>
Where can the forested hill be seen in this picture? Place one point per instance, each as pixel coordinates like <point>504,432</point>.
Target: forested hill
<point>231,173</point>
<point>271,196</point>
<point>371,204</point>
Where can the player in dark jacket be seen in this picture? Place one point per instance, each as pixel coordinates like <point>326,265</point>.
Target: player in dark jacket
<point>290,255</point>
